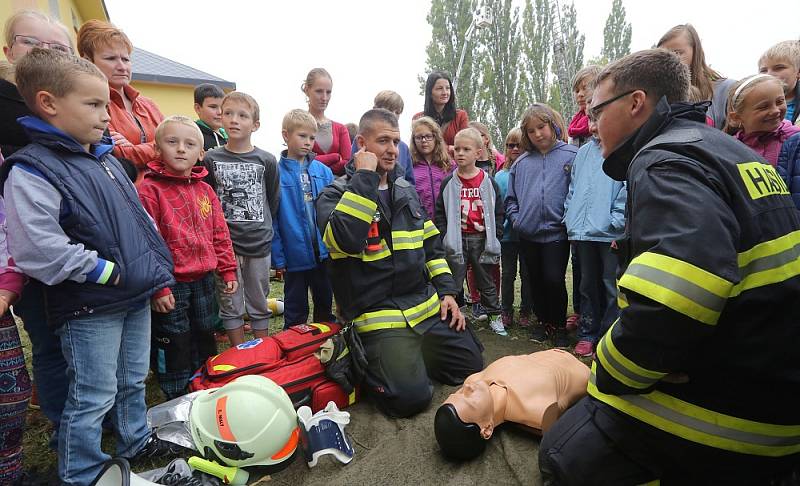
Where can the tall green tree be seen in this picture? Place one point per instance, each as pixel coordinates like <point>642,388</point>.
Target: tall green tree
<point>617,33</point>
<point>449,22</point>
<point>566,68</point>
<point>504,92</point>
<point>536,46</point>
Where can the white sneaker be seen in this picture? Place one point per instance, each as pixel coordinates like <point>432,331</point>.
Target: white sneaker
<point>497,326</point>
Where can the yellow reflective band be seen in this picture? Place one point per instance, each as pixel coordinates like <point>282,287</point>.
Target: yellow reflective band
<point>621,368</point>
<point>223,367</point>
<point>437,266</point>
<point>371,256</point>
<point>344,353</point>
<point>678,285</point>
<point>357,206</point>
<point>761,180</point>
<point>422,311</point>
<point>655,482</point>
<point>769,262</point>
<point>382,319</point>
<point>701,425</point>
<point>407,240</point>
<point>622,301</point>
<point>351,399</point>
<point>430,229</point>
<point>321,327</point>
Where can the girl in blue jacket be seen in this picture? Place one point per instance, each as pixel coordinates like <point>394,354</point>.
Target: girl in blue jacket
<point>297,246</point>
<point>537,187</point>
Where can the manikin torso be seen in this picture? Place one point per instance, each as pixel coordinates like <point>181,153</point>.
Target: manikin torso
<point>532,390</point>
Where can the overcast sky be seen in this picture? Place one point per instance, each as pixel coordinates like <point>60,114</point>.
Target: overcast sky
<point>267,47</point>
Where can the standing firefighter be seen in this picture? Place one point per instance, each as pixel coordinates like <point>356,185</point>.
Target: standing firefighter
<point>698,381</point>
<point>390,277</point>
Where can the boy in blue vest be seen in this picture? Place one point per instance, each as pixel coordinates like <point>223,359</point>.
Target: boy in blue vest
<point>297,246</point>
<point>76,224</point>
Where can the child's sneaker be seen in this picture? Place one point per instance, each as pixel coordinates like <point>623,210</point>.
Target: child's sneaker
<point>508,318</point>
<point>538,333</point>
<point>524,319</point>
<point>561,339</point>
<point>497,326</point>
<point>584,349</point>
<point>572,322</point>
<point>479,313</point>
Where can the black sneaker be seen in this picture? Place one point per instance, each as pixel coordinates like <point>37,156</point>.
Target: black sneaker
<point>561,338</point>
<point>538,333</point>
<point>157,448</point>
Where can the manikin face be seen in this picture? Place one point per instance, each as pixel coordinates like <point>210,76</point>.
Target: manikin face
<point>475,405</point>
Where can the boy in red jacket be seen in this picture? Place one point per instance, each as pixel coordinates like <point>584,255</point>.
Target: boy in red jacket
<point>190,219</point>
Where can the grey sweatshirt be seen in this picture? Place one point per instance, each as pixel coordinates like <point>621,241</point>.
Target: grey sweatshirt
<point>248,186</point>
<point>718,111</point>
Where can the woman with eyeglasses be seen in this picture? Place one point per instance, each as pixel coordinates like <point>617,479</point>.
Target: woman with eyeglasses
<point>431,161</point>
<point>134,117</point>
<point>24,30</point>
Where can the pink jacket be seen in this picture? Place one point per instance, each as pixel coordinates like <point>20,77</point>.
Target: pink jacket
<point>428,180</point>
<point>768,144</point>
<point>11,277</point>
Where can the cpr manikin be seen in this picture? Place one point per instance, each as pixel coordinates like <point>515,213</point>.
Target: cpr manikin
<point>531,390</point>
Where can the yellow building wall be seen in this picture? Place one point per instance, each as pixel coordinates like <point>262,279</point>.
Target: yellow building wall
<point>72,13</point>
<point>172,99</point>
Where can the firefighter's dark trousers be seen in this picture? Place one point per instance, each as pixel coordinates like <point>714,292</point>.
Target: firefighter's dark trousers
<point>593,443</point>
<point>402,363</point>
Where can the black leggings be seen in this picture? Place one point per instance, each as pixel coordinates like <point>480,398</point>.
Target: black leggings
<point>547,267</point>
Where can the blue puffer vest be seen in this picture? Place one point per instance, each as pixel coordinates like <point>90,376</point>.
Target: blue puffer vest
<point>99,209</point>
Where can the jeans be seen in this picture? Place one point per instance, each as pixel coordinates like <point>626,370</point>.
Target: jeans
<point>472,246</point>
<point>598,289</point>
<point>107,357</point>
<point>577,300</point>
<point>508,259</point>
<point>295,292</point>
<point>49,367</point>
<point>547,267</point>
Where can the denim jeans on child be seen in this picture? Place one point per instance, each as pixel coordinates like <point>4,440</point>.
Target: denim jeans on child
<point>598,289</point>
<point>472,246</point>
<point>108,356</point>
<point>184,338</point>
<point>49,367</point>
<point>295,295</point>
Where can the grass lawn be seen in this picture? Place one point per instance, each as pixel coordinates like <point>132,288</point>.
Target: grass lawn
<point>41,460</point>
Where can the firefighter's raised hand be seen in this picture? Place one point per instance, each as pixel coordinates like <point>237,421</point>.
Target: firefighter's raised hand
<point>365,160</point>
<point>450,306</point>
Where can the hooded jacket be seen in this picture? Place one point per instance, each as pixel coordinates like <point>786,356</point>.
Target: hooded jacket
<point>189,217</point>
<point>789,166</point>
<point>292,244</point>
<point>537,187</point>
<point>428,182</point>
<point>387,267</point>
<point>768,144</point>
<point>211,138</point>
<point>595,206</point>
<point>76,224</point>
<point>709,274</point>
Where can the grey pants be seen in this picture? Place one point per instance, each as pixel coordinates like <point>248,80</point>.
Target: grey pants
<point>472,245</point>
<point>250,297</point>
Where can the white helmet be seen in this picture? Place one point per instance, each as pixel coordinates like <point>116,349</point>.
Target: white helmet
<point>248,422</point>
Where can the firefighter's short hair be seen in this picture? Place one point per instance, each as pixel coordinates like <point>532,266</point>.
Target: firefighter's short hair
<point>658,72</point>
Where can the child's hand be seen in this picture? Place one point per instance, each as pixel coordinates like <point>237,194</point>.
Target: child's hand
<point>7,298</point>
<point>163,304</point>
<point>231,287</point>
<point>119,139</point>
<point>365,160</point>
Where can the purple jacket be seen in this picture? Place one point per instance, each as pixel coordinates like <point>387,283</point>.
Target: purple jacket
<point>768,144</point>
<point>428,180</point>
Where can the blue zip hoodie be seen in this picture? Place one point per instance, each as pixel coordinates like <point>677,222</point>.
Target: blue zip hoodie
<point>291,221</point>
<point>595,206</point>
<point>537,187</point>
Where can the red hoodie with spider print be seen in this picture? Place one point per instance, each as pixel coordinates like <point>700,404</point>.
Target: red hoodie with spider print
<point>190,219</point>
